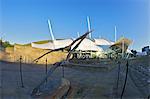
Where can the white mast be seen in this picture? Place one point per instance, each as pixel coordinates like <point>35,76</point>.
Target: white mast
<point>89,26</point>
<point>89,29</point>
<point>78,34</point>
<point>100,36</point>
<point>115,34</point>
<point>50,30</point>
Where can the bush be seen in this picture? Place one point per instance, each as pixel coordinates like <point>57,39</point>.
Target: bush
<point>5,44</point>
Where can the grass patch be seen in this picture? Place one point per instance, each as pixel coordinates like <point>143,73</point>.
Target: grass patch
<point>42,42</point>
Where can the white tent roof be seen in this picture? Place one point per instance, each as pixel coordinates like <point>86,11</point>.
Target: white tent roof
<point>88,45</point>
<point>85,45</point>
<point>53,45</point>
<point>62,43</point>
<point>103,42</point>
<point>48,45</point>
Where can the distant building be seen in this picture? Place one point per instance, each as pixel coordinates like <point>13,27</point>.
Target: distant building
<point>146,49</point>
<point>88,48</point>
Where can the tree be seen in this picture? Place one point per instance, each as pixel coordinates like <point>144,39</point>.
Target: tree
<point>5,44</point>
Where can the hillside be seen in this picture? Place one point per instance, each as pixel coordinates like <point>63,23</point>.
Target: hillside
<point>12,54</point>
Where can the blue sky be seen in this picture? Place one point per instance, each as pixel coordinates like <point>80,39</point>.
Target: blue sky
<point>24,21</point>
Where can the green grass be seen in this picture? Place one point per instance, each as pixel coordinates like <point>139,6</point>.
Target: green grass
<point>37,42</point>
<point>28,44</point>
<point>42,42</point>
<point>45,41</point>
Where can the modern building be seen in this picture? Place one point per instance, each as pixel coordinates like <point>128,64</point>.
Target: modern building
<point>87,49</point>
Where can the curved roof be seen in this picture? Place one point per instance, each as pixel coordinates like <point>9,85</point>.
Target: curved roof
<point>88,45</point>
<point>103,42</point>
<point>53,45</point>
<point>85,45</point>
<point>62,43</point>
<point>122,41</point>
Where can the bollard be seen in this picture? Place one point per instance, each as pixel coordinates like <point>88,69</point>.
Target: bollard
<point>148,97</point>
<point>46,69</point>
<point>125,81</point>
<point>63,71</point>
<point>22,85</point>
<point>118,76</point>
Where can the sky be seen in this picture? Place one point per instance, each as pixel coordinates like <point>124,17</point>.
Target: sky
<point>25,21</point>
